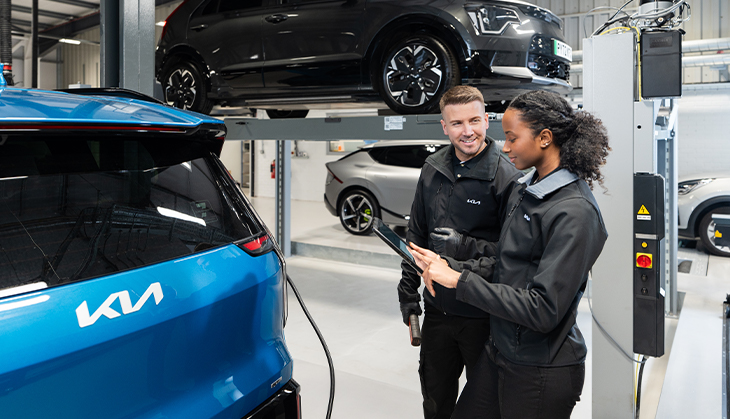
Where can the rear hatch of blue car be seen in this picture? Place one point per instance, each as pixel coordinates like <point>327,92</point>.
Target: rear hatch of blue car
<point>135,278</point>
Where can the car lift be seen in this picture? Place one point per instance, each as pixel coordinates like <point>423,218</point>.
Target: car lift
<point>409,127</point>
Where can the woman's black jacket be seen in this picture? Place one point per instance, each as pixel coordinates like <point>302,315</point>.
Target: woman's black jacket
<point>553,234</point>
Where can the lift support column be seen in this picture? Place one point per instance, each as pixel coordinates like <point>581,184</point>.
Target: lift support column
<point>642,137</point>
<point>128,44</point>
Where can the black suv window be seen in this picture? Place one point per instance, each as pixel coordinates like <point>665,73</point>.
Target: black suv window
<point>77,208</point>
<point>404,156</point>
<point>222,6</point>
<point>231,5</point>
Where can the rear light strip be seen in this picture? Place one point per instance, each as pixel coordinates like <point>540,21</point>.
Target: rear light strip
<point>255,244</point>
<point>334,176</point>
<point>38,127</point>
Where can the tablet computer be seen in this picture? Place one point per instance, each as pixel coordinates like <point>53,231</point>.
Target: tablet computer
<point>395,242</point>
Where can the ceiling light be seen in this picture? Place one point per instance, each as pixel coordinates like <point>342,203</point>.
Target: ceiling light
<point>69,41</point>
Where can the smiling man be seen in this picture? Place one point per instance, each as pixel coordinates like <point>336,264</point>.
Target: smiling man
<point>462,190</point>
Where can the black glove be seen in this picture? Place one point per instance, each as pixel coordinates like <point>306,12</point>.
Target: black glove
<point>446,241</point>
<point>407,309</point>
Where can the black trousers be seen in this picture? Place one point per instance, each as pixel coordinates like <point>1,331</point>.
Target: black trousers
<point>501,389</point>
<point>448,344</point>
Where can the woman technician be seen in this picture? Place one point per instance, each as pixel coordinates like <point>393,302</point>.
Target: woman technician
<point>534,362</point>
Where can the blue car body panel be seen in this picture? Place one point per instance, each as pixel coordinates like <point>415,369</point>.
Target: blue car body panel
<point>28,105</point>
<point>213,338</point>
<point>197,336</point>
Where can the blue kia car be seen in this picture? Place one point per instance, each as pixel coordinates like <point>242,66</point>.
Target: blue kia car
<point>136,280</point>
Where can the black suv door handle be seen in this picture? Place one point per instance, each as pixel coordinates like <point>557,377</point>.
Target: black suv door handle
<point>199,28</point>
<point>277,18</point>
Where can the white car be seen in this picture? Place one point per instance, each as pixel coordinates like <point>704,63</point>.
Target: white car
<point>699,199</point>
<point>379,180</point>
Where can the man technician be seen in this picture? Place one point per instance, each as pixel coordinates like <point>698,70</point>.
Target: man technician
<point>462,188</point>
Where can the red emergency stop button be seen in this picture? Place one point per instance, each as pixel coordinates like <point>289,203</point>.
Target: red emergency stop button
<point>644,260</point>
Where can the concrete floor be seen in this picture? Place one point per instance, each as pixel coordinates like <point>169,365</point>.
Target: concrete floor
<point>355,306</point>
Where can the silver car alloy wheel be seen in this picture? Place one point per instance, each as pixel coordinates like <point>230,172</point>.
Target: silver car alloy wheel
<point>356,213</point>
<point>413,75</point>
<point>181,90</point>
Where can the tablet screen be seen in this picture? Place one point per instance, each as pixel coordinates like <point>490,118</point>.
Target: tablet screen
<point>394,241</point>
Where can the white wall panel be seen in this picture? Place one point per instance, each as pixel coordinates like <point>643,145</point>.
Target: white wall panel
<point>81,62</point>
<point>573,34</point>
<point>558,6</point>
<point>701,129</point>
<point>543,3</point>
<point>579,6</point>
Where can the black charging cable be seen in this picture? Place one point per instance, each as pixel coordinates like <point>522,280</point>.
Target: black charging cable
<point>324,345</point>
<point>638,386</point>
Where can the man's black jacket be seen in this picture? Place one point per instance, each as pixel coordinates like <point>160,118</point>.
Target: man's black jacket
<point>473,205</point>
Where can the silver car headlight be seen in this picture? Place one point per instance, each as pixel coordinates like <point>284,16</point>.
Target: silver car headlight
<point>490,19</point>
<point>686,187</point>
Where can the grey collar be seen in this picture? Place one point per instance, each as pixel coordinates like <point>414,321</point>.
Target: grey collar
<point>548,185</point>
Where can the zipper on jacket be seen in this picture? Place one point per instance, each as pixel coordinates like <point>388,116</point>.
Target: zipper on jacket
<point>452,188</point>
<point>435,199</point>
<point>517,334</point>
<point>517,204</point>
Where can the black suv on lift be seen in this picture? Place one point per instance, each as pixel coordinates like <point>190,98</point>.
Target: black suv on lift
<point>293,53</point>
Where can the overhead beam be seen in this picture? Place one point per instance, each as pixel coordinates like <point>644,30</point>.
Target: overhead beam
<point>66,30</point>
<point>41,12</point>
<point>78,3</point>
<point>28,23</point>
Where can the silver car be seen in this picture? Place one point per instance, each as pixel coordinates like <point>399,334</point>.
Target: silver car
<point>379,180</point>
<point>698,200</point>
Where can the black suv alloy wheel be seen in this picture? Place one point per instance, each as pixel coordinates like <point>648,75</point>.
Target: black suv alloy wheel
<point>184,88</point>
<point>416,72</point>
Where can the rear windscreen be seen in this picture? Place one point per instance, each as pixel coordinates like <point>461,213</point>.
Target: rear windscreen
<point>72,209</point>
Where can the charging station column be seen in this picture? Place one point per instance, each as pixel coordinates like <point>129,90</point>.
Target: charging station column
<point>648,240</point>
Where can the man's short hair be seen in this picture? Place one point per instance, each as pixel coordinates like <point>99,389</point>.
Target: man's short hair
<point>460,95</point>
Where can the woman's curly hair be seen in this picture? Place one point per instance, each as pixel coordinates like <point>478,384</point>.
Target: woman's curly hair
<point>580,136</point>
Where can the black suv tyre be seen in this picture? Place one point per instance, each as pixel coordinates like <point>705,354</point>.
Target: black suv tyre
<point>185,88</point>
<point>356,211</point>
<point>707,233</point>
<point>282,114</point>
<point>415,72</point>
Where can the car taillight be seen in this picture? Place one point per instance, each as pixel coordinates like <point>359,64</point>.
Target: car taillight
<point>164,26</point>
<point>333,176</point>
<point>256,246</point>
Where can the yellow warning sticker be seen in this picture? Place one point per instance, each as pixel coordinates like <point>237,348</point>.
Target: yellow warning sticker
<point>643,210</point>
<point>718,235</point>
